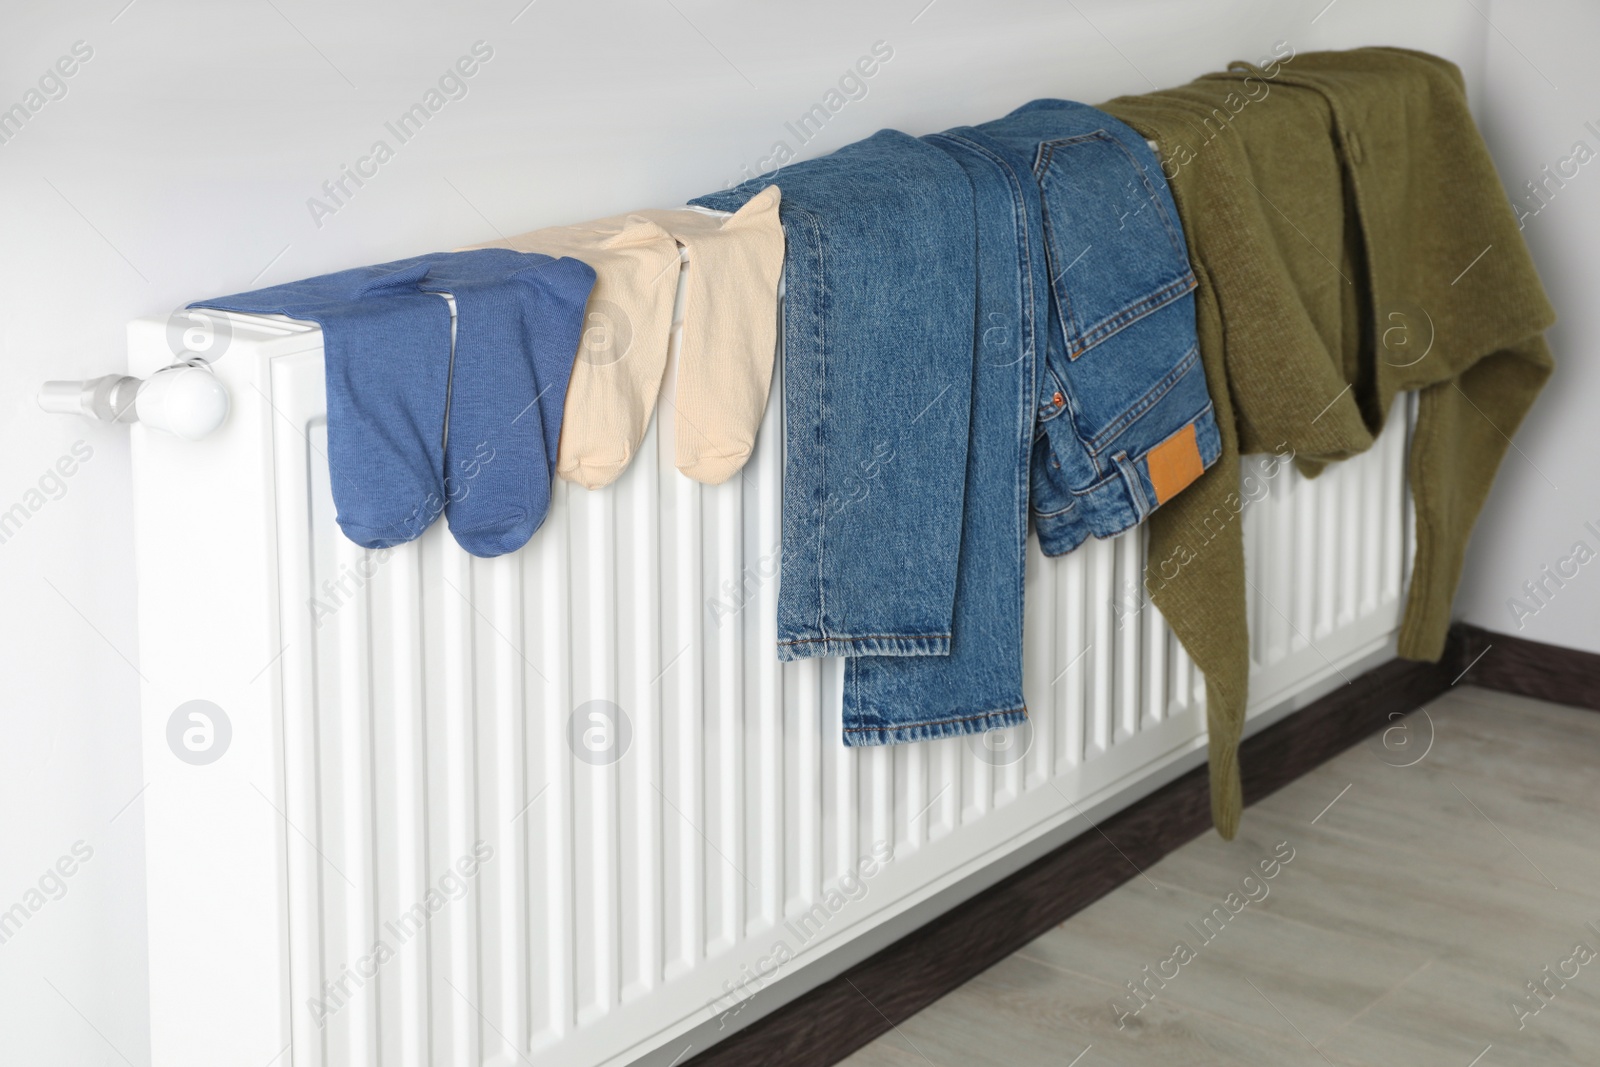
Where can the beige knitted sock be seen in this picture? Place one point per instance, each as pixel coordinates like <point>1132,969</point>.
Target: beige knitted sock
<point>730,332</point>
<point>617,374</point>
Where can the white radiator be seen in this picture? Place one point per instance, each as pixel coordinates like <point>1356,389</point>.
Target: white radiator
<point>429,838</point>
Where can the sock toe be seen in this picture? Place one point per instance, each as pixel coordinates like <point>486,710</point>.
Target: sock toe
<point>377,532</point>
<point>499,536</point>
<point>715,468</point>
<point>594,471</point>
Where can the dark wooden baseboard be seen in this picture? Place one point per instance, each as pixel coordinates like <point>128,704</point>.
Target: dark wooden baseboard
<point>828,1023</point>
<point>1528,668</point>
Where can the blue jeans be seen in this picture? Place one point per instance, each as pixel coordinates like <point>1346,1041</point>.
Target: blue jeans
<point>1053,183</point>
<point>1084,393</point>
<point>1125,419</point>
<point>877,338</point>
<point>978,686</point>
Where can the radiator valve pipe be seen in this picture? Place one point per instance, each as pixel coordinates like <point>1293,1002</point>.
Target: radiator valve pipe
<point>185,400</point>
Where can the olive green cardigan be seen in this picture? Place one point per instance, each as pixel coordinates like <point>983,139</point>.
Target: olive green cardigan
<point>1351,241</point>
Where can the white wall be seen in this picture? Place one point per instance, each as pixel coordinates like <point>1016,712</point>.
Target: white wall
<point>1544,98</point>
<point>179,164</point>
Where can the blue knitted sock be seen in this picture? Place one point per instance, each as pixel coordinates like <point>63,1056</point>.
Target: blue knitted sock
<point>386,350</point>
<point>519,316</point>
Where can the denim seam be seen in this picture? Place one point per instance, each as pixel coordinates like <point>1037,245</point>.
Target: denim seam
<point>1067,409</point>
<point>1041,162</point>
<point>889,735</point>
<point>1066,510</point>
<point>1118,321</point>
<point>1150,398</point>
<point>1065,389</point>
<point>1130,476</point>
<point>1028,392</point>
<point>896,728</point>
<point>1026,415</point>
<point>855,638</point>
<point>1047,149</point>
<point>1029,385</point>
<point>1100,485</point>
<point>822,377</point>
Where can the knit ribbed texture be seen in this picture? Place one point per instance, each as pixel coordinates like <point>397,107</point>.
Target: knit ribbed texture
<point>1352,241</point>
<point>730,332</point>
<point>617,374</point>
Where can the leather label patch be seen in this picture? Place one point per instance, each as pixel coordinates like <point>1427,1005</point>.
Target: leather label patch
<point>1174,463</point>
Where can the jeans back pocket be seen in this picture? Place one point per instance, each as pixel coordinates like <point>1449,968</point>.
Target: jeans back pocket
<point>1115,253</point>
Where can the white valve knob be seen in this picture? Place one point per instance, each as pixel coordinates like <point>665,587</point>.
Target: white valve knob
<point>185,401</point>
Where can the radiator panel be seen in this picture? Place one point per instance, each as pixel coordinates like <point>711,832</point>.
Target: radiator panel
<point>647,862</point>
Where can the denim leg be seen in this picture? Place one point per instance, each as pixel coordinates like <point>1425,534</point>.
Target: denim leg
<point>878,322</point>
<point>978,686</point>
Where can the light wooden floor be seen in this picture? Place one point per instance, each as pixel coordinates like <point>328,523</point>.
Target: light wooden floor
<point>1419,901</point>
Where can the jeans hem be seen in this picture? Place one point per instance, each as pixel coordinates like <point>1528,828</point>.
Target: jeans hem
<point>798,648</point>
<point>857,736</point>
